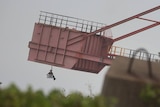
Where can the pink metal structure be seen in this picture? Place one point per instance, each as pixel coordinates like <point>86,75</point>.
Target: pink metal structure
<point>75,43</point>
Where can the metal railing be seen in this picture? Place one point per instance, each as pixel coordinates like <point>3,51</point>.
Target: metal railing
<point>118,51</point>
<point>71,22</point>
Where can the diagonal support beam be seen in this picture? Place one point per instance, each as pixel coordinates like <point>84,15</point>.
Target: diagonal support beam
<point>125,20</point>
<point>136,31</point>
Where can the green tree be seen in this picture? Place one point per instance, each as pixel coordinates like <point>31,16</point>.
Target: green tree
<point>151,96</point>
<point>40,99</point>
<point>74,100</point>
<point>13,97</point>
<point>28,99</point>
<point>10,97</point>
<point>88,101</point>
<point>56,98</point>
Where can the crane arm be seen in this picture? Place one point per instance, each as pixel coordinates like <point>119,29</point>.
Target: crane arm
<point>136,31</point>
<point>126,20</point>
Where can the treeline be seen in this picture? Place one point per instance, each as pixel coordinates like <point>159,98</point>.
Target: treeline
<point>12,96</point>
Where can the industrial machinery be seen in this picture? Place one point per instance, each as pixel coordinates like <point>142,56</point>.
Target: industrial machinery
<point>79,44</point>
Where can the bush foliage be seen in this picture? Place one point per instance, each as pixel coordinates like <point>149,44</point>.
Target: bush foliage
<point>151,96</point>
<point>14,97</point>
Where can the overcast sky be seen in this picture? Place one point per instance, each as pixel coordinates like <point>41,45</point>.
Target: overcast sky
<point>16,28</point>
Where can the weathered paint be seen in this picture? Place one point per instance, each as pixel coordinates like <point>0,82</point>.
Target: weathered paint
<point>69,48</point>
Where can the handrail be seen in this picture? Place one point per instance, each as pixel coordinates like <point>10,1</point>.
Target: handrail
<point>118,51</point>
<point>70,22</point>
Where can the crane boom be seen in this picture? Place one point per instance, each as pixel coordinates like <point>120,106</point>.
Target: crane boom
<point>126,20</point>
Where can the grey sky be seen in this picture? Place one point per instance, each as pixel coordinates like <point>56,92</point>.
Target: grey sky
<point>16,27</point>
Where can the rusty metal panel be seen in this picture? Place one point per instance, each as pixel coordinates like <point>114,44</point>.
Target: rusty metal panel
<point>68,48</point>
<point>49,45</point>
<point>94,45</point>
<point>88,66</point>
